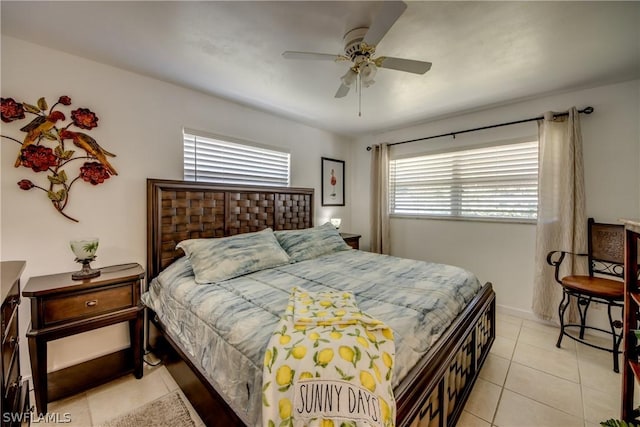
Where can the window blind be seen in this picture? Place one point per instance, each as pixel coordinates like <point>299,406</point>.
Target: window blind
<point>215,160</point>
<point>498,182</point>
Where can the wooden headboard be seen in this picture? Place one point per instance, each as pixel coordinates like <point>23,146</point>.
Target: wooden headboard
<point>179,210</point>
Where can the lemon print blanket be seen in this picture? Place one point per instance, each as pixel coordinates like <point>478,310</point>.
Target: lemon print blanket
<point>328,364</point>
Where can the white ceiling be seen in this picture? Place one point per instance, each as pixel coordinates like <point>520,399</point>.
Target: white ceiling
<point>483,53</point>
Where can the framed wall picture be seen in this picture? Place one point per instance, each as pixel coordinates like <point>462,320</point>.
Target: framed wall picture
<point>332,182</point>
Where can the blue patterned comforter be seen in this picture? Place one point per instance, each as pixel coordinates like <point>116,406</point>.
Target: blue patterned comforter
<point>226,326</point>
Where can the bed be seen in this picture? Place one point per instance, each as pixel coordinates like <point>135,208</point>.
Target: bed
<point>431,388</point>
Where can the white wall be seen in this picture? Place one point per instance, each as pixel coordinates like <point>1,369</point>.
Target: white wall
<point>140,120</point>
<point>504,253</point>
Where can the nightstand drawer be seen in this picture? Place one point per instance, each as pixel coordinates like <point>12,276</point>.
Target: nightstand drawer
<point>85,304</point>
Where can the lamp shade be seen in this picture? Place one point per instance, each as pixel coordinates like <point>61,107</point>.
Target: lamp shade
<point>336,222</point>
<point>84,248</point>
<point>367,73</point>
<point>349,77</point>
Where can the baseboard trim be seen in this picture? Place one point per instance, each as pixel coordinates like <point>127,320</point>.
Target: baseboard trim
<point>528,315</point>
<point>522,314</point>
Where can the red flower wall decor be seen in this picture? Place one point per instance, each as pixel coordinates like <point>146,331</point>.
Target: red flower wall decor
<point>43,147</point>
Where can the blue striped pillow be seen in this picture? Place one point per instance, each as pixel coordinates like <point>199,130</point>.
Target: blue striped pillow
<point>215,260</point>
<point>311,242</point>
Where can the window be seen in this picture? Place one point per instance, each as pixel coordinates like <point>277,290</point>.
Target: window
<point>216,159</point>
<point>498,182</point>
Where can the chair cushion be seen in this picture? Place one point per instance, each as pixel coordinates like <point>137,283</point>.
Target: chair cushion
<point>595,286</point>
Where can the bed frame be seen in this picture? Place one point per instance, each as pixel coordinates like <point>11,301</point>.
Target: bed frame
<point>432,394</point>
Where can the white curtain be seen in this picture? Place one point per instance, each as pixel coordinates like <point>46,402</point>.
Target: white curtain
<point>562,222</point>
<point>380,236</point>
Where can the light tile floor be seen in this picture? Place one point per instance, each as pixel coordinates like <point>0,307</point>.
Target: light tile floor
<point>101,404</point>
<point>526,381</point>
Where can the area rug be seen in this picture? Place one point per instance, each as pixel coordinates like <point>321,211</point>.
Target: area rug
<point>168,410</point>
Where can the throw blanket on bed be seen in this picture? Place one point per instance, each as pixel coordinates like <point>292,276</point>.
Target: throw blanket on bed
<point>328,364</point>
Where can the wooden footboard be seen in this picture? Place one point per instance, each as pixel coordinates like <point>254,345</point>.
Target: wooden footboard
<point>432,394</point>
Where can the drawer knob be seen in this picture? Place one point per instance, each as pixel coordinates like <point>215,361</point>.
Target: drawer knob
<point>91,303</point>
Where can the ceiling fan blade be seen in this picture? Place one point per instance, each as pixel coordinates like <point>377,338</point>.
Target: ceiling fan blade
<point>343,90</point>
<point>400,64</point>
<point>310,55</point>
<point>387,15</point>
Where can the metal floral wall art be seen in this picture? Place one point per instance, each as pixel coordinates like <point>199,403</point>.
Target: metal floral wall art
<point>45,147</point>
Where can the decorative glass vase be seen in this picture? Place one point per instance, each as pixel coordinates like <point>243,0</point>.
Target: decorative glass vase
<point>85,252</point>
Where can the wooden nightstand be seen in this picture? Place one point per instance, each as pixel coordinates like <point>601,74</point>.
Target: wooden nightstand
<point>352,240</point>
<point>61,307</point>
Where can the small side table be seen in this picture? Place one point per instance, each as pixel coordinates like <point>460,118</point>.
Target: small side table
<point>352,240</point>
<point>61,307</point>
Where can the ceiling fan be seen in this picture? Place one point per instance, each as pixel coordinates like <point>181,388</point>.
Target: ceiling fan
<point>360,48</point>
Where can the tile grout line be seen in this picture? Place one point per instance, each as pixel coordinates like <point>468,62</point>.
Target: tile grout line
<point>575,353</point>
<point>86,397</point>
<point>584,386</point>
<point>577,357</point>
<point>584,411</point>
<point>504,382</point>
<point>503,387</point>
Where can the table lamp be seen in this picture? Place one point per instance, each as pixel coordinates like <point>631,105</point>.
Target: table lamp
<point>85,252</point>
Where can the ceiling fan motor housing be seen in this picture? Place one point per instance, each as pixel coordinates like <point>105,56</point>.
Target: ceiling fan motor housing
<point>353,44</point>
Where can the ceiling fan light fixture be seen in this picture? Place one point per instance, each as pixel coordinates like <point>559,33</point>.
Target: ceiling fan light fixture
<point>349,78</point>
<point>367,73</point>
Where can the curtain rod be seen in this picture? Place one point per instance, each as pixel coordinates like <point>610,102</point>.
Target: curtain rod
<point>587,110</point>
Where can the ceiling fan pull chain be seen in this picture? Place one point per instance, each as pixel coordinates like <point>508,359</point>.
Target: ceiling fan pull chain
<point>359,88</point>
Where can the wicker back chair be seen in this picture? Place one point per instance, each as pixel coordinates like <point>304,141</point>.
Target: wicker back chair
<point>606,258</point>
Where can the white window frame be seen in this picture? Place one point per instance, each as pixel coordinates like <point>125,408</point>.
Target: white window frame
<point>226,160</point>
<point>455,185</point>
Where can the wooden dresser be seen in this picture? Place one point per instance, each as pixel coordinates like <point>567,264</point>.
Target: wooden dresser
<point>15,392</point>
